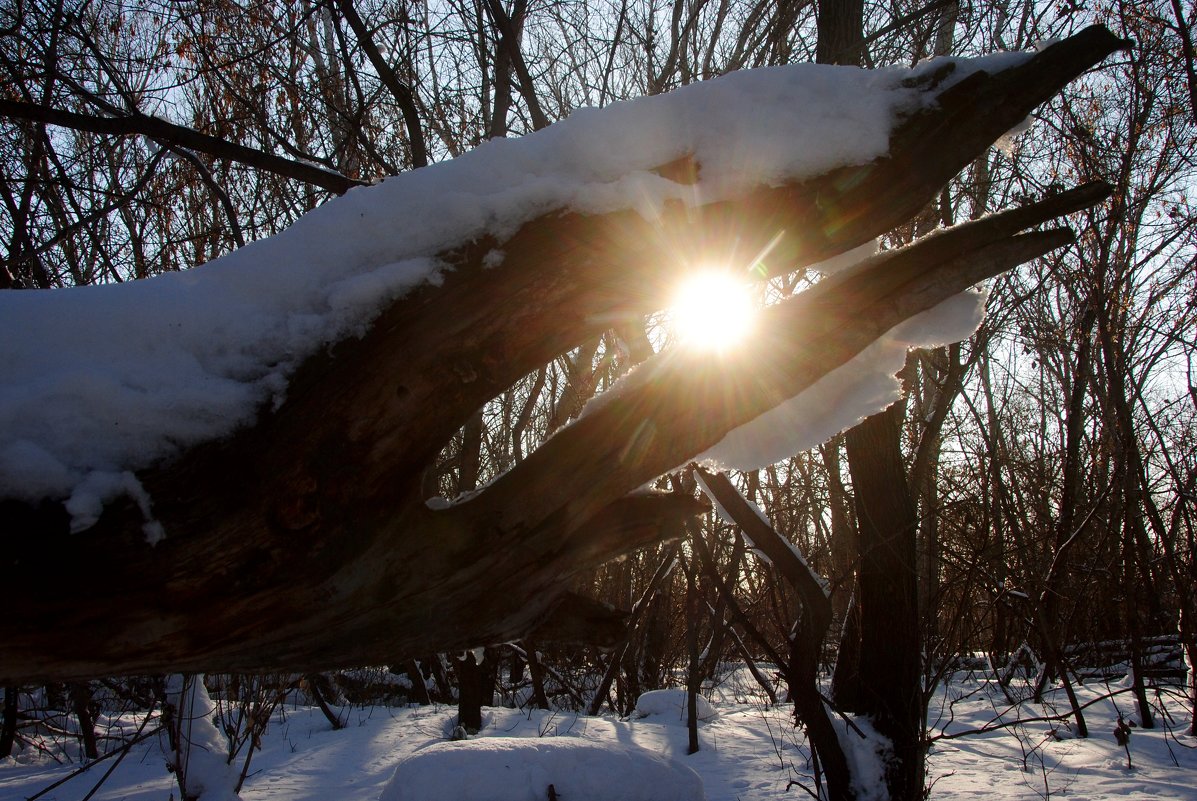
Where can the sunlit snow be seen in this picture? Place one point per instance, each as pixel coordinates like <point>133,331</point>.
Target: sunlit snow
<point>750,751</point>
<point>843,397</point>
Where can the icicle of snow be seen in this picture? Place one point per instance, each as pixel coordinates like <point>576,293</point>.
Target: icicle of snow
<point>1005,142</point>
<point>86,503</point>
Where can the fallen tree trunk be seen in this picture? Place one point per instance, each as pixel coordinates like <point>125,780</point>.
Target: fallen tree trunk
<point>304,542</point>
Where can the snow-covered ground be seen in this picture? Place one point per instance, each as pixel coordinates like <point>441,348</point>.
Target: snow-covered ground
<point>749,751</point>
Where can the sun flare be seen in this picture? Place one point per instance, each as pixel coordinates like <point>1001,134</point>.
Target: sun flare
<point>712,311</point>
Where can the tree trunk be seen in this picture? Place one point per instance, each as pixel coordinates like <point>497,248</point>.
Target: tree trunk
<point>890,679</point>
<point>8,726</point>
<point>335,472</point>
<point>540,699</point>
<point>419,686</point>
<point>470,692</point>
<point>801,669</point>
<point>840,26</point>
<point>319,688</point>
<point>80,694</point>
<point>844,548</point>
<point>440,676</point>
<point>845,678</point>
<point>693,671</point>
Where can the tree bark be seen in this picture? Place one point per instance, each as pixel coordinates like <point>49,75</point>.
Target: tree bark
<point>890,679</point>
<point>840,25</point>
<point>8,726</point>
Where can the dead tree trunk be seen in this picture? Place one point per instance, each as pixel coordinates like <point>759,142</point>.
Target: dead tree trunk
<point>890,668</point>
<point>304,543</point>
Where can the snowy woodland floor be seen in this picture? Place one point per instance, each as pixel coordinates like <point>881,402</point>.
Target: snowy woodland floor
<point>749,751</point>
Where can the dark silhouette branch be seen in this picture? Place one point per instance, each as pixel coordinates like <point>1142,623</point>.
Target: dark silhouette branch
<point>137,124</point>
<point>402,93</point>
<point>510,42</point>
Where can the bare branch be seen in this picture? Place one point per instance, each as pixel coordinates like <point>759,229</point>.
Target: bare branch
<point>167,132</point>
<point>402,93</point>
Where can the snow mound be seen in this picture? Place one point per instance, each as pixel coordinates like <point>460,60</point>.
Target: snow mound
<point>523,768</point>
<point>670,704</point>
<point>202,760</point>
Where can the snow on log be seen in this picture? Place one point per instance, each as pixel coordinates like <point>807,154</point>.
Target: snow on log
<point>266,419</point>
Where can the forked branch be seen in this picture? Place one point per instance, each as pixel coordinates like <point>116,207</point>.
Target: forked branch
<point>304,542</point>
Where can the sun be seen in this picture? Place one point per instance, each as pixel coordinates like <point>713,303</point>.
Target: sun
<point>712,311</point>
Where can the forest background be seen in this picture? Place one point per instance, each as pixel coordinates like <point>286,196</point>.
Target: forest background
<point>1051,457</point>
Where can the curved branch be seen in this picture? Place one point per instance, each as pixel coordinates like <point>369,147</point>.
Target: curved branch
<point>811,629</point>
<point>163,131</point>
<point>399,90</point>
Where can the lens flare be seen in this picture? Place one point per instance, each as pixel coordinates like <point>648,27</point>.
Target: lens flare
<point>713,311</point>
